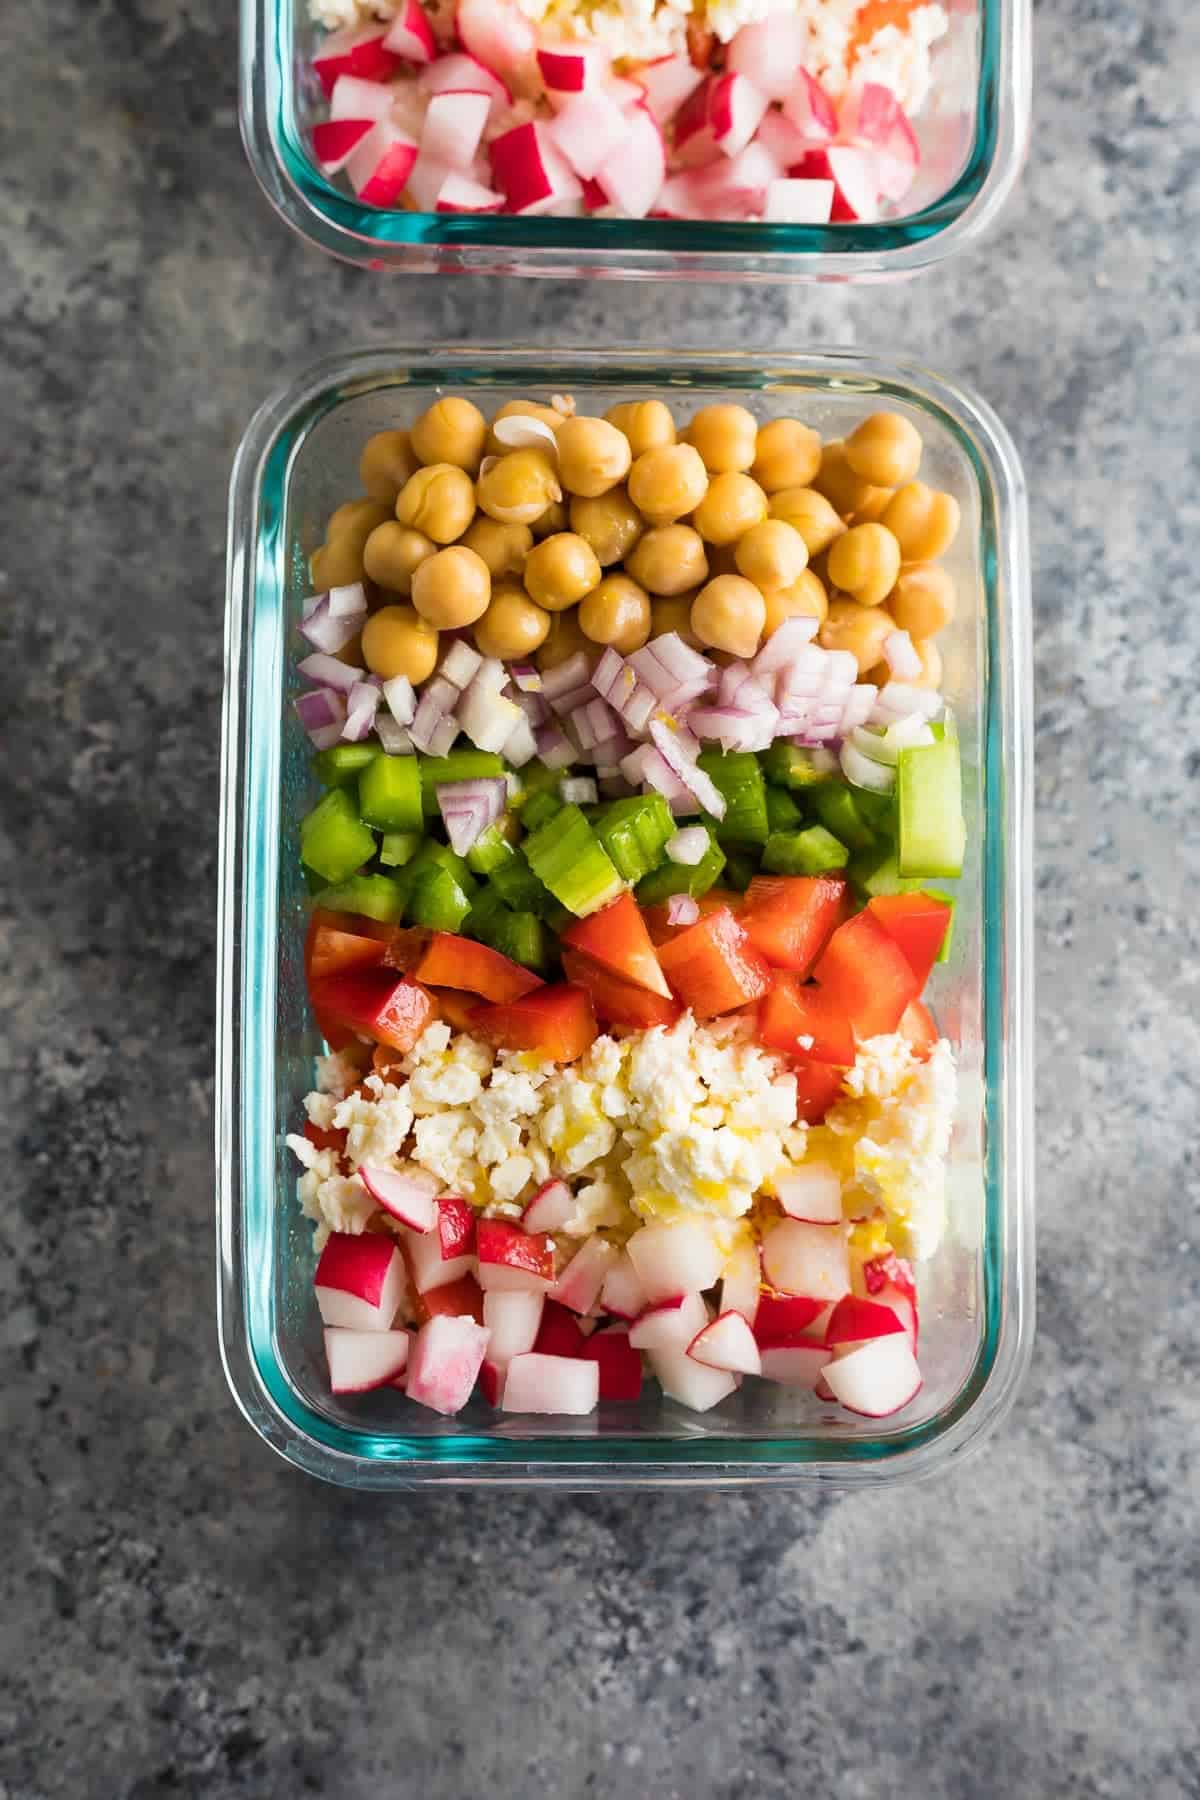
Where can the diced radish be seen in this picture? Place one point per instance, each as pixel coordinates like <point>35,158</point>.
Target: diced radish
<point>778,135</point>
<point>626,93</point>
<point>792,202</point>
<point>444,1361</point>
<point>784,1318</point>
<point>512,1258</point>
<point>693,135</point>
<point>728,1343</point>
<point>769,51</point>
<point>459,73</point>
<point>410,34</point>
<point>623,1294</point>
<point>380,167</point>
<point>669,1324</point>
<point>334,142</point>
<point>855,1321</point>
<point>854,174</point>
<point>359,1281</point>
<point>354,98</point>
<point>588,128</point>
<point>455,1226</point>
<point>667,83</point>
<point>812,1192</point>
<point>741,1281</point>
<point>513,1320</point>
<point>732,187</point>
<point>632,175</point>
<point>560,1332</point>
<point>362,1360</point>
<point>459,194</point>
<point>804,1259</point>
<point>808,107</point>
<point>530,172</point>
<point>876,1380</point>
<point>408,1197</point>
<point>571,68</point>
<point>432,1256</point>
<point>898,159</point>
<point>453,127</point>
<point>684,1379</point>
<point>867,114</point>
<point>491,1382</point>
<point>550,1207</point>
<point>594,197</point>
<point>890,1281</point>
<point>551,1384</point>
<point>619,1363</point>
<point>580,1283</point>
<point>501,37</point>
<point>675,1259</point>
<point>357,50</point>
<point>735,112</point>
<point>428,178</point>
<point>795,1365</point>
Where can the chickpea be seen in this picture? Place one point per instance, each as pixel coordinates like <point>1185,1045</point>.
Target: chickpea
<point>876,504</point>
<point>668,560</point>
<point>521,409</point>
<point>885,450</point>
<point>722,560</point>
<point>592,456</point>
<point>787,454</point>
<point>452,430</point>
<point>667,484</point>
<point>392,552</point>
<point>339,561</point>
<point>398,641</point>
<point>356,516</point>
<point>646,423</point>
<point>438,500</point>
<point>518,487</point>
<point>931,664</point>
<point>846,492</point>
<point>726,437</point>
<point>923,521</point>
<point>502,547</point>
<point>565,638</point>
<point>610,523</point>
<point>810,514</point>
<point>731,506</point>
<point>922,601</point>
<point>859,629</point>
<point>805,599</point>
<point>616,612</point>
<point>729,614</point>
<point>385,465</point>
<point>453,588</point>
<point>865,562</point>
<point>771,554</point>
<point>512,626</point>
<point>555,518</point>
<point>561,570</point>
<point>674,613</point>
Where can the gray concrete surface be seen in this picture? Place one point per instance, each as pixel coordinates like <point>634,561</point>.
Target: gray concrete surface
<point>182,1615</point>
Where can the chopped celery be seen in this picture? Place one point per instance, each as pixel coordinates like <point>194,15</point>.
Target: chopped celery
<point>932,832</point>
<point>740,870</point>
<point>490,851</point>
<point>635,833</point>
<point>441,854</point>
<point>458,765</point>
<point>681,878</point>
<point>536,778</point>
<point>566,855</point>
<point>738,776</point>
<point>389,793</point>
<point>333,839</point>
<point>813,851</point>
<point>342,764</point>
<point>487,910</point>
<point>372,896</point>
<point>839,812</point>
<point>782,812</point>
<point>521,936</point>
<point>437,900</point>
<point>791,766</point>
<point>399,847</point>
<point>540,807</point>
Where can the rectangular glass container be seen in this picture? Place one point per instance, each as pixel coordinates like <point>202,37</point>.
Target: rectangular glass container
<point>972,132</point>
<point>297,461</point>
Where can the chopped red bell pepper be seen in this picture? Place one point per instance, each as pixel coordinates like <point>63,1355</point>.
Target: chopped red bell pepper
<point>460,1298</point>
<point>918,923</point>
<point>916,1024</point>
<point>616,937</point>
<point>818,1086</point>
<point>660,927</point>
<point>713,967</point>
<point>405,945</point>
<point>620,1364</point>
<point>803,1021</point>
<point>864,973</point>
<point>334,943</point>
<point>458,962</point>
<point>558,1332</point>
<point>556,1021</point>
<point>375,1003</point>
<point>618,1002</point>
<point>458,1010</point>
<point>789,918</point>
<point>325,1140</point>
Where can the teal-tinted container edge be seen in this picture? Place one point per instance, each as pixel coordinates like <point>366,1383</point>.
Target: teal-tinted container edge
<point>251,825</point>
<point>648,249</point>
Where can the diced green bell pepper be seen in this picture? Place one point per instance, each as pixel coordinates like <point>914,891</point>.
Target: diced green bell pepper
<point>389,794</point>
<point>681,878</point>
<point>444,857</point>
<point>813,851</point>
<point>782,812</point>
<point>520,888</point>
<point>437,901</point>
<point>838,810</point>
<point>398,848</point>
<point>635,833</point>
<point>521,936</point>
<point>932,833</point>
<point>483,920</point>
<point>490,851</point>
<point>740,870</point>
<point>342,764</point>
<point>333,839</point>
<point>373,896</point>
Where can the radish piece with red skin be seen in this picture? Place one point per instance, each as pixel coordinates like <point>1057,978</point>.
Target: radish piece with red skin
<point>455,1225</point>
<point>572,68</point>
<point>793,202</point>
<point>491,1382</point>
<point>619,1363</point>
<point>530,172</point>
<point>727,1343</point>
<point>357,50</point>
<point>667,83</point>
<point>428,1260</point>
<point>500,37</point>
<point>425,186</point>
<point>359,1281</point>
<point>877,1379</point>
<point>632,175</point>
<point>675,1259</point>
<point>855,177</point>
<point>812,1192</point>
<point>459,194</point>
<point>623,1294</point>
<point>594,197</point>
<point>808,107</point>
<point>795,1365</point>
<point>578,1287</point>
<point>550,1207</point>
<point>444,1362</point>
<point>778,135</point>
<point>890,1280</point>
<point>380,167</point>
<point>810,1260</point>
<point>459,73</point>
<point>512,1258</point>
<point>735,112</point>
<point>536,1383</point>
<point>669,1324</point>
<point>453,128</point>
<point>362,1360</point>
<point>407,1196</point>
<point>784,1318</point>
<point>410,35</point>
<point>335,142</point>
<point>768,52</point>
<point>560,1332</point>
<point>855,1321</point>
<point>354,98</point>
<point>514,1320</point>
<point>684,1379</point>
<point>587,129</point>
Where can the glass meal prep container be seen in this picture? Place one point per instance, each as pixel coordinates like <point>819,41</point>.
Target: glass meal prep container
<point>972,132</point>
<point>297,461</point>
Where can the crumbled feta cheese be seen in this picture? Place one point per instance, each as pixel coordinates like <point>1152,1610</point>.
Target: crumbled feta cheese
<point>320,1109</point>
<point>337,1074</point>
<point>335,14</point>
<point>900,60</point>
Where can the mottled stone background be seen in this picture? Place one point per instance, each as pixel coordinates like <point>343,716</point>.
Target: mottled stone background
<point>180,1614</point>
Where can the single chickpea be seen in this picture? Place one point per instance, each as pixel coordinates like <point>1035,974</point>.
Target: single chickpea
<point>731,506</point>
<point>610,523</point>
<point>452,430</point>
<point>356,516</point>
<point>452,589</point>
<point>846,492</point>
<point>512,626</point>
<point>646,423</point>
<point>923,521</point>
<point>392,552</point>
<point>787,454</point>
<point>865,562</point>
<point>561,570</point>
<point>555,518</point>
<point>518,487</point>
<point>616,612</point>
<point>874,507</point>
<point>729,614</point>
<point>667,484</point>
<point>398,641</point>
<point>859,629</point>
<point>385,465</point>
<point>931,664</point>
<point>592,456</point>
<point>885,450</point>
<point>339,560</point>
<point>922,601</point>
<point>502,547</point>
<point>674,613</point>
<point>771,554</point>
<point>668,560</point>
<point>438,500</point>
<point>810,514</point>
<point>521,409</point>
<point>565,638</point>
<point>805,599</point>
<point>726,437</point>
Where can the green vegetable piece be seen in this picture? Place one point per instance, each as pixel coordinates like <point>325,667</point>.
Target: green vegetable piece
<point>568,858</point>
<point>838,810</point>
<point>813,851</point>
<point>932,833</point>
<point>738,776</point>
<point>483,920</point>
<point>740,870</point>
<point>459,765</point>
<point>877,811</point>
<point>490,851</point>
<point>444,857</point>
<point>635,833</point>
<point>951,901</point>
<point>782,812</point>
<point>521,936</point>
<point>399,847</point>
<point>678,878</point>
<point>342,764</point>
<point>536,778</point>
<point>437,901</point>
<point>333,839</point>
<point>540,807</point>
<point>389,794</point>
<point>792,766</point>
<point>520,888</point>
<point>373,896</point>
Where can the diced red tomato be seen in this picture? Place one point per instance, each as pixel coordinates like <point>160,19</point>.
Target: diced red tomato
<point>618,1002</point>
<point>918,923</point>
<point>324,1140</point>
<point>499,1241</point>
<point>620,1366</point>
<point>662,931</point>
<point>375,1003</point>
<point>558,1332</point>
<point>457,1009</point>
<point>459,962</point>
<point>866,976</point>
<point>616,937</point>
<point>789,918</point>
<point>803,1021</point>
<point>556,1021</point>
<point>916,1024</point>
<point>784,1318</point>
<point>713,967</point>
<point>460,1298</point>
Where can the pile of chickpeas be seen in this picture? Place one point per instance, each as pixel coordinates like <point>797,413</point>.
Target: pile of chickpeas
<point>628,526</point>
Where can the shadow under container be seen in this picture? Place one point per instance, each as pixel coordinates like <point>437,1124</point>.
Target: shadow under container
<point>297,462</point>
<point>972,134</point>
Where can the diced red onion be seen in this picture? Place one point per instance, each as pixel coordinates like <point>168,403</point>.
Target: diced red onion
<point>578,790</point>
<point>608,754</point>
<point>679,659</point>
<point>525,677</point>
<point>360,712</point>
<point>520,746</point>
<point>570,702</point>
<point>443,735</point>
<point>593,723</point>
<point>608,671</point>
<point>638,708</point>
<point>865,773</point>
<point>679,750</point>
<point>785,644</point>
<point>327,671</point>
<point>349,602</point>
<point>486,717</point>
<point>658,774</point>
<point>400,698</point>
<point>900,656</point>
<point>803,676</point>
<point>897,699</point>
<point>735,728</point>
<point>731,678</point>
<point>491,676</point>
<point>633,766</point>
<point>688,846</point>
<point>469,807</point>
<point>322,714</point>
<point>308,607</point>
<point>841,670</point>
<point>532,705</point>
<point>570,674</point>
<point>394,738</point>
<point>461,664</point>
<point>681,908</point>
<point>437,698</point>
<point>554,748</point>
<point>857,709</point>
<point>323,631</point>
